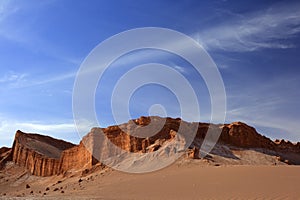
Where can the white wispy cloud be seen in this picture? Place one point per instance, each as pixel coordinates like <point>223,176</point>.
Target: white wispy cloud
<point>6,9</point>
<point>55,78</point>
<point>269,106</point>
<point>181,69</point>
<point>12,76</point>
<point>25,34</point>
<point>66,131</point>
<point>282,127</point>
<point>14,80</point>
<point>271,28</point>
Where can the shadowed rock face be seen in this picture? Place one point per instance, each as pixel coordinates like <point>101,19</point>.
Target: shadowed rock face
<point>5,155</point>
<point>241,135</point>
<point>3,150</point>
<point>46,156</point>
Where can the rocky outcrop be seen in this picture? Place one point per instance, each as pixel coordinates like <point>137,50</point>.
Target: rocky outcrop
<point>46,156</point>
<point>4,150</point>
<point>5,156</point>
<point>137,135</point>
<point>194,153</point>
<point>39,154</point>
<point>76,158</point>
<point>288,146</point>
<point>241,135</point>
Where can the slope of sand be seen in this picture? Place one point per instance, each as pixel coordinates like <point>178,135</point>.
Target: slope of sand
<point>188,180</point>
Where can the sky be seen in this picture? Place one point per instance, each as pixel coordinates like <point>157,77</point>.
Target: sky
<point>255,45</point>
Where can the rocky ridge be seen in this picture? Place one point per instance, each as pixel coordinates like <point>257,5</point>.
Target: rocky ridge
<point>46,156</point>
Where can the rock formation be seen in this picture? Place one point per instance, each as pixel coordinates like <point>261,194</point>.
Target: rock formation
<point>46,156</point>
<point>39,154</point>
<point>5,155</point>
<point>75,158</point>
<point>241,135</point>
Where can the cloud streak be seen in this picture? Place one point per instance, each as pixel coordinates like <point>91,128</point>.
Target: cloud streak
<point>282,127</point>
<point>25,33</point>
<point>266,29</point>
<point>6,9</point>
<point>262,106</point>
<point>66,131</point>
<point>11,76</point>
<point>13,80</point>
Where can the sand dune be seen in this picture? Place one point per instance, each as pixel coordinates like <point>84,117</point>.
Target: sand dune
<point>193,180</point>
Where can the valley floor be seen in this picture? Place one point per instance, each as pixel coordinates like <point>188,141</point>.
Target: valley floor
<point>189,180</point>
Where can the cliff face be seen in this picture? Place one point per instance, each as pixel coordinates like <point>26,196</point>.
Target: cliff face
<point>39,154</point>
<point>46,156</point>
<point>241,135</point>
<point>133,137</point>
<point>5,156</point>
<point>75,158</point>
<point>4,150</point>
<point>284,145</point>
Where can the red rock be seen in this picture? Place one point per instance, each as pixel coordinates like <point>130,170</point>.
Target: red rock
<point>77,157</point>
<point>194,153</point>
<point>3,150</point>
<point>39,154</point>
<point>5,156</point>
<point>46,156</point>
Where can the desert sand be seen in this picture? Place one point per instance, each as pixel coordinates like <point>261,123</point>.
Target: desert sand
<point>188,180</point>
<point>242,165</point>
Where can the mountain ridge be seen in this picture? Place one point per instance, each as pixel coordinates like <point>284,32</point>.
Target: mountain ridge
<point>46,156</point>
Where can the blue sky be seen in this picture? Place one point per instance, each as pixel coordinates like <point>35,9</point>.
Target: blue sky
<point>255,45</point>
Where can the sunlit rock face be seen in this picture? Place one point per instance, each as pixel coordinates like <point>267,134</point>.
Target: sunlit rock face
<point>46,156</point>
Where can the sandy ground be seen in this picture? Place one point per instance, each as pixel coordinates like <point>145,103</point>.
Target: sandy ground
<point>179,181</point>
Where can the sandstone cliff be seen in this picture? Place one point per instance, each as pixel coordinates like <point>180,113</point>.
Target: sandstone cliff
<point>242,135</point>
<point>39,154</point>
<point>5,156</point>
<point>46,156</point>
<point>76,158</point>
